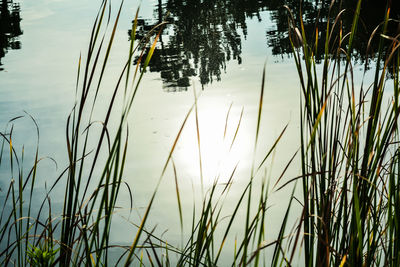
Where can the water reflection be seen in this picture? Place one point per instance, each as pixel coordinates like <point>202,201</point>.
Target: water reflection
<point>205,35</point>
<point>202,37</point>
<point>316,14</point>
<point>9,27</point>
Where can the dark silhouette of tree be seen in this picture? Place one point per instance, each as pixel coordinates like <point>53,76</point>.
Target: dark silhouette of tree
<point>316,14</point>
<point>201,37</point>
<point>9,27</point>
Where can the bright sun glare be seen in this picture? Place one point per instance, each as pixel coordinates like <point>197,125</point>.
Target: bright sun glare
<point>224,144</point>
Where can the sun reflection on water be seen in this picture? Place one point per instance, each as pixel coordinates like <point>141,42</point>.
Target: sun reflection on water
<point>225,143</point>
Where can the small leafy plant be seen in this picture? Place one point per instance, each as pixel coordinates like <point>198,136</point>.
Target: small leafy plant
<point>42,255</point>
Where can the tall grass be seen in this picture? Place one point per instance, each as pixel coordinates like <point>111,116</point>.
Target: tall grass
<point>94,175</point>
<point>349,155</point>
<point>349,150</point>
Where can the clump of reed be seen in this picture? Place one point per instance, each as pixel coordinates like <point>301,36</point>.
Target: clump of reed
<point>349,157</point>
<point>93,178</point>
<point>349,149</point>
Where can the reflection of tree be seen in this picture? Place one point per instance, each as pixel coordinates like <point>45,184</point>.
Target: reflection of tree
<point>9,27</point>
<point>202,37</point>
<point>205,34</point>
<point>316,14</point>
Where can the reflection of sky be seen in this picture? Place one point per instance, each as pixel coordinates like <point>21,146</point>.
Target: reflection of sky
<point>40,78</point>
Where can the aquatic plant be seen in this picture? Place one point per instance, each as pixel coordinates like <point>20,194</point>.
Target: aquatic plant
<point>349,157</point>
<point>81,234</point>
<point>349,149</point>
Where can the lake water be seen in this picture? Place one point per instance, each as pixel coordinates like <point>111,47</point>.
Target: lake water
<point>218,51</point>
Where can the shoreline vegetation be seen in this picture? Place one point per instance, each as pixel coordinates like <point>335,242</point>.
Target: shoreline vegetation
<point>348,189</point>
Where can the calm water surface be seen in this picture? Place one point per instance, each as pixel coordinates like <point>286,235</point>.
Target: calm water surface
<point>217,49</point>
